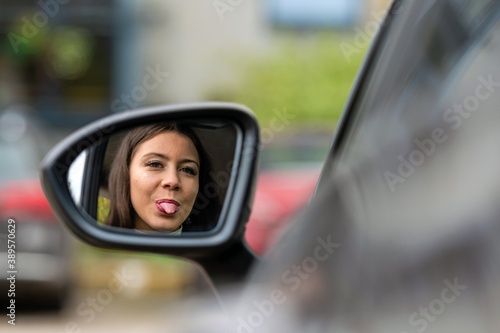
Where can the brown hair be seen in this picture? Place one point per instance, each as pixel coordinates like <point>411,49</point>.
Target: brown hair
<point>121,211</point>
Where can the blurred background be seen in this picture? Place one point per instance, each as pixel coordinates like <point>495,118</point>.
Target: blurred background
<point>65,63</point>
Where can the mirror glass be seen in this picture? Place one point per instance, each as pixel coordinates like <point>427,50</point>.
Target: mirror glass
<point>161,178</point>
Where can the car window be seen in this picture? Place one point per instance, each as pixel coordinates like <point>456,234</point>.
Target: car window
<point>440,69</point>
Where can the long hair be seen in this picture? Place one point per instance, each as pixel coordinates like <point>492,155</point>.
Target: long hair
<point>206,208</point>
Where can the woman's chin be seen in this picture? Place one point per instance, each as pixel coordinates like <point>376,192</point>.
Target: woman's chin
<point>164,228</point>
<point>160,226</point>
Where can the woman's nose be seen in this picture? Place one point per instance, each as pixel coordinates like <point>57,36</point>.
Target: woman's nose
<point>170,180</point>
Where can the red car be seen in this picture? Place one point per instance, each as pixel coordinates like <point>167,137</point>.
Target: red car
<point>289,173</point>
<point>279,196</point>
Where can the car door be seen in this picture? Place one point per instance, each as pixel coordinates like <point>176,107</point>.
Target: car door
<point>402,233</point>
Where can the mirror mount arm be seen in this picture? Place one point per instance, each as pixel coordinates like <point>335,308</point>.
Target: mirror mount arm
<point>229,266</point>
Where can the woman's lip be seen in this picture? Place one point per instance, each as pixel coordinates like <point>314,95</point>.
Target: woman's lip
<point>167,206</point>
<point>168,201</point>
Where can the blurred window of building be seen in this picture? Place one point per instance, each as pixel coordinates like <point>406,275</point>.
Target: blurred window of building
<point>57,57</point>
<point>315,13</point>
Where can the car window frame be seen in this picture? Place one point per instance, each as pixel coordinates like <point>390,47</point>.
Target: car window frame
<point>351,109</point>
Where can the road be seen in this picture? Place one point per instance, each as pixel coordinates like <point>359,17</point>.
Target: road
<point>124,313</point>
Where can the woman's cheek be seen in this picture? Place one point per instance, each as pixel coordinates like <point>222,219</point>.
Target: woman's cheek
<point>145,179</point>
<point>141,185</point>
<point>196,188</point>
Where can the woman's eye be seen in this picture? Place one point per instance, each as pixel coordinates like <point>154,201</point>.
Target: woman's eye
<point>189,170</point>
<point>153,164</point>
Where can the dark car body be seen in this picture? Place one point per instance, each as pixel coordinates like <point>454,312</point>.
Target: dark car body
<point>402,233</point>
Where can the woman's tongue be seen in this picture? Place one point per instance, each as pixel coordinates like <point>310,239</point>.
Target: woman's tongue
<point>169,208</point>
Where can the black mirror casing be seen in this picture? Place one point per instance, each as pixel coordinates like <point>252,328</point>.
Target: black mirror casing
<point>226,240</point>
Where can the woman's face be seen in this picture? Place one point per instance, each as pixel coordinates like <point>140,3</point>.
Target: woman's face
<point>164,181</point>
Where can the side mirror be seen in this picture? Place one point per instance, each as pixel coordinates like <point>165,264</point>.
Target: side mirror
<point>176,180</point>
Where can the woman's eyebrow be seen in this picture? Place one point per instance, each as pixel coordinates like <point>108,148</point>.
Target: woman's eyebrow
<point>156,154</point>
<point>185,160</point>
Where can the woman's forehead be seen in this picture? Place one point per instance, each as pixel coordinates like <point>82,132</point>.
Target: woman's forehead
<point>169,143</point>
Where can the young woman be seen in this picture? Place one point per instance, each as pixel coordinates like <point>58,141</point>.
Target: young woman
<point>157,179</point>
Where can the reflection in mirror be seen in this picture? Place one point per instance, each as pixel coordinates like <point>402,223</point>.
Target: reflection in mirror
<point>75,177</point>
<point>167,177</point>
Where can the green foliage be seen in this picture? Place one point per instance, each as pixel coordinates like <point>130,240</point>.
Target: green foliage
<point>307,75</point>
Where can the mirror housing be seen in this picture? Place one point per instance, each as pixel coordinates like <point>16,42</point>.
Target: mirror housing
<point>199,247</point>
